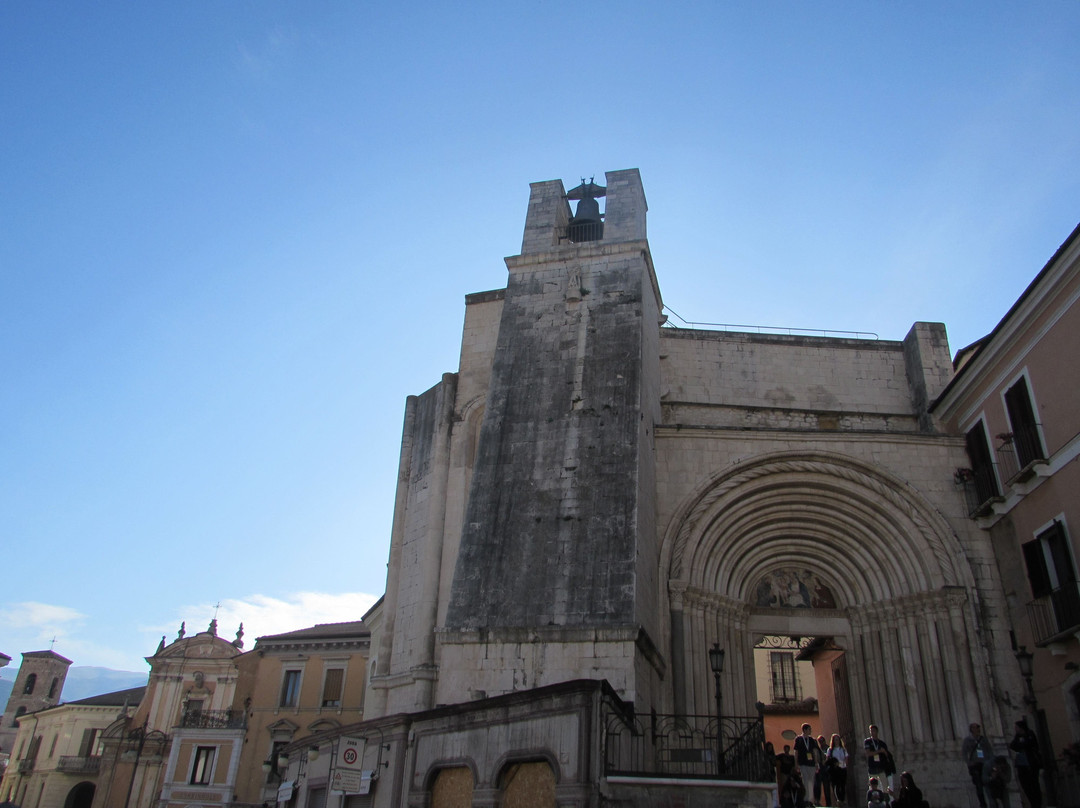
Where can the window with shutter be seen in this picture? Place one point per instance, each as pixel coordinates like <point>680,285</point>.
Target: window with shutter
<point>332,687</point>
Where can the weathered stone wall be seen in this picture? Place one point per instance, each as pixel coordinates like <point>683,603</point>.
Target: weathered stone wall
<point>549,535</point>
<point>734,379</point>
<point>406,656</point>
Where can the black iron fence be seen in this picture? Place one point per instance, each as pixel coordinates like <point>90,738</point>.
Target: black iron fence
<point>980,489</point>
<point>79,764</point>
<point>585,231</point>
<point>691,746</point>
<point>214,719</point>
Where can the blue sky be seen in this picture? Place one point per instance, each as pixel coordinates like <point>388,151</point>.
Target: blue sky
<point>235,235</point>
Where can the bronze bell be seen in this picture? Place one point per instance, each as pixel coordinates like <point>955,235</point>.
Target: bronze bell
<point>588,210</point>
<point>587,225</point>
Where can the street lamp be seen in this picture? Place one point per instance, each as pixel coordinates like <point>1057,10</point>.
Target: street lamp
<point>716,662</point>
<point>1026,660</point>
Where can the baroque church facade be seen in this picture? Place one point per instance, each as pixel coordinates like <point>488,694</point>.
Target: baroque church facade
<point>596,495</point>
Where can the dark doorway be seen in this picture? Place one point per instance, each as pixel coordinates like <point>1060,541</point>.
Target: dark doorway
<point>81,796</point>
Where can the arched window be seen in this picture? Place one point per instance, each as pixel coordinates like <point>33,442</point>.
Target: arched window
<point>453,788</point>
<point>31,683</point>
<point>528,785</point>
<point>52,688</point>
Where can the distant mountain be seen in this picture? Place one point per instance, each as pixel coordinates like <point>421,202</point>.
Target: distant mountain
<point>85,681</point>
<point>82,682</point>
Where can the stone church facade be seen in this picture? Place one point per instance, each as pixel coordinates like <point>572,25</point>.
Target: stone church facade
<point>596,495</point>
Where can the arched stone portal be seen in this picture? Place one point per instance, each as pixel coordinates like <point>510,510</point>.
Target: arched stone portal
<point>80,796</point>
<point>905,599</point>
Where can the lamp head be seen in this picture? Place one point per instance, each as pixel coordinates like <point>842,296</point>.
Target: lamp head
<point>716,658</point>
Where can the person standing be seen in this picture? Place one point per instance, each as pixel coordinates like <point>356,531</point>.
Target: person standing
<point>822,786</point>
<point>836,766</point>
<point>807,755</point>
<point>977,754</point>
<point>879,763</point>
<point>1028,762</point>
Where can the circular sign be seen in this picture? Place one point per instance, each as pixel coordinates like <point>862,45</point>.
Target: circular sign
<point>349,756</point>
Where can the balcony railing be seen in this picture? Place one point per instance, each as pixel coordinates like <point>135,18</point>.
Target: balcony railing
<point>214,719</point>
<point>26,765</point>
<point>1017,457</point>
<point>686,746</point>
<point>979,488</point>
<point>1055,614</point>
<point>74,764</point>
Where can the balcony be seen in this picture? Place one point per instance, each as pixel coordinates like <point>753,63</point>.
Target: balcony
<point>75,764</point>
<point>1018,459</point>
<point>1056,615</point>
<point>26,765</point>
<point>214,719</point>
<point>979,488</point>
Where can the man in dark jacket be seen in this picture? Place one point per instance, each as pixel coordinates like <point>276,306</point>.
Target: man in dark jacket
<point>977,754</point>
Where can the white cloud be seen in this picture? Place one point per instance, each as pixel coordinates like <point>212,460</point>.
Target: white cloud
<point>42,620</point>
<point>264,614</point>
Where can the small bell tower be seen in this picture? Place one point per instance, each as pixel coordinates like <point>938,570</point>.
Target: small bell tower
<point>554,576</point>
<point>38,685</point>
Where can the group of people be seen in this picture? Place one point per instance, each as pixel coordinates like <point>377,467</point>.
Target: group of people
<point>817,768</point>
<point>990,773</point>
<point>821,770</point>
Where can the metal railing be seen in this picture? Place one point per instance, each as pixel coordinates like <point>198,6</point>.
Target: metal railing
<point>1017,457</point>
<point>781,330</point>
<point>980,490</point>
<point>686,746</point>
<point>214,719</point>
<point>586,231</point>
<point>76,764</point>
<point>1056,613</point>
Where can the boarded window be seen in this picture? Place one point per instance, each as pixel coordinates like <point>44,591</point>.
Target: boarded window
<point>528,785</point>
<point>331,696</point>
<point>452,788</point>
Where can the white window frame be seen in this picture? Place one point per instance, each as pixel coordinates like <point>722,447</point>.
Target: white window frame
<point>1023,374</point>
<point>195,763</point>
<point>291,665</point>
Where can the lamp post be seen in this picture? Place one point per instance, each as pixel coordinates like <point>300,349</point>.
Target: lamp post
<point>1026,660</point>
<point>136,740</point>
<point>716,662</point>
<point>283,762</point>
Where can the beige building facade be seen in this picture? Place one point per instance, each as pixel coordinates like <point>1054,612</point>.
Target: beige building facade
<point>57,752</point>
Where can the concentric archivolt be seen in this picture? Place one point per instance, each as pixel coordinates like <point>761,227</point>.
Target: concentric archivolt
<point>852,521</point>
